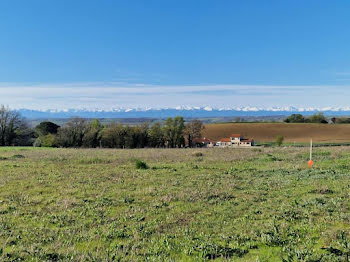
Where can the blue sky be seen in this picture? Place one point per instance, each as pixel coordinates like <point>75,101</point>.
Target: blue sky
<point>131,53</point>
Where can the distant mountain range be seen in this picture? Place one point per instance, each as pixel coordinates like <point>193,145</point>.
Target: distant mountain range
<point>187,112</point>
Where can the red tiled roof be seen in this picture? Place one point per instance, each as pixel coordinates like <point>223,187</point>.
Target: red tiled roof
<point>235,135</point>
<point>202,140</point>
<point>225,140</point>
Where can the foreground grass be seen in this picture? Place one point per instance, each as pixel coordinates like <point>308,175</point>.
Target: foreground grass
<point>191,205</point>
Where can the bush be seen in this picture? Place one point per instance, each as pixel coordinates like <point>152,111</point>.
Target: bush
<point>139,164</point>
<point>318,118</point>
<point>197,154</point>
<point>48,141</point>
<point>279,140</point>
<point>18,156</point>
<point>45,141</point>
<point>37,142</point>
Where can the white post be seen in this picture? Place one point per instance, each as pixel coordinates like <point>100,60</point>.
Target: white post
<point>311,149</point>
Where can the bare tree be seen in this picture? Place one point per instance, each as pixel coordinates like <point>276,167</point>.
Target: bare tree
<point>10,122</point>
<point>193,130</point>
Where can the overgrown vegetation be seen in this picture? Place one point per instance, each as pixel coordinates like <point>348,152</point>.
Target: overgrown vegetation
<point>227,204</point>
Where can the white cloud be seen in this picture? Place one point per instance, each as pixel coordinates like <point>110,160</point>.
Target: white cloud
<point>106,95</point>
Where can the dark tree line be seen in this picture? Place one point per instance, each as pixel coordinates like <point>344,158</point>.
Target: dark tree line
<point>340,120</point>
<point>79,132</point>
<point>174,133</point>
<point>315,118</point>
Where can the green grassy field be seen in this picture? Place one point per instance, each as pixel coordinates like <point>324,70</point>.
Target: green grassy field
<point>189,205</point>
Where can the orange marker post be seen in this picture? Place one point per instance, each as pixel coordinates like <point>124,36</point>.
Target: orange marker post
<point>310,162</point>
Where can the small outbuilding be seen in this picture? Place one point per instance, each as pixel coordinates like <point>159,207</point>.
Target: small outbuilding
<point>204,142</point>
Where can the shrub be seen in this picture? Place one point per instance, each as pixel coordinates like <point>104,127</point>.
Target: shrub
<point>18,156</point>
<point>45,141</point>
<point>279,140</point>
<point>318,118</point>
<point>197,154</point>
<point>37,142</point>
<point>139,164</point>
<point>94,160</point>
<point>48,140</point>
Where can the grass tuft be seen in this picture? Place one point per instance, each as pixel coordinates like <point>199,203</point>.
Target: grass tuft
<point>197,154</point>
<point>17,156</point>
<point>139,164</point>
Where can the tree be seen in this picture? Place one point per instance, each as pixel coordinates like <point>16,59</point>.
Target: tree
<point>92,136</point>
<point>193,130</point>
<point>48,140</point>
<point>24,135</point>
<point>72,133</point>
<point>295,118</point>
<point>279,140</point>
<point>46,127</point>
<point>141,132</point>
<point>174,131</point>
<point>130,137</point>
<point>179,125</point>
<point>318,118</point>
<point>46,132</point>
<point>136,136</point>
<point>156,136</point>
<point>340,120</point>
<point>13,128</point>
<point>169,132</point>
<point>113,136</point>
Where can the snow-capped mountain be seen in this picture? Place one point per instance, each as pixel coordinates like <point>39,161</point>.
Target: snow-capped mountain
<point>184,111</point>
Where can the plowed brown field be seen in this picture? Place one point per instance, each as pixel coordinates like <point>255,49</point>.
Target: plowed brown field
<point>267,132</point>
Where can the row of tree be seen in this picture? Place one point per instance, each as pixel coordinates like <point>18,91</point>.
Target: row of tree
<point>174,133</point>
<point>79,132</point>
<point>340,120</point>
<point>315,118</point>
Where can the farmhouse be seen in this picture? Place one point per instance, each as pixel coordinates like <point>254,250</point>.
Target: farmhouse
<point>235,140</point>
<point>224,142</point>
